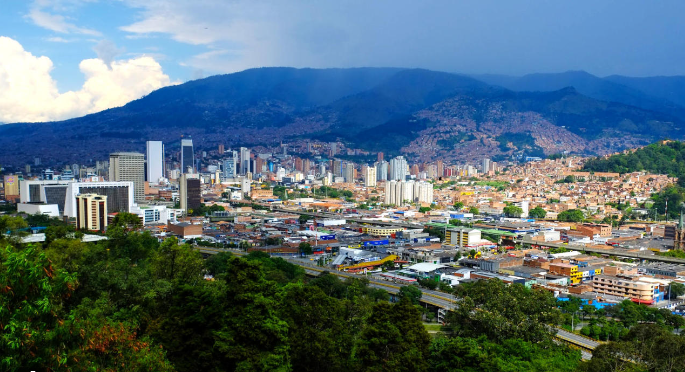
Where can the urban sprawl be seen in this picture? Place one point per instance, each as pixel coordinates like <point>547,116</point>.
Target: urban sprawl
<point>542,223</point>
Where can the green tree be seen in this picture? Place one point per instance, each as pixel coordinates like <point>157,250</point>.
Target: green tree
<point>305,248</point>
<point>127,221</point>
<point>512,211</point>
<point>318,338</point>
<point>394,339</point>
<point>537,212</point>
<point>217,264</point>
<point>676,290</point>
<point>473,210</point>
<point>251,336</point>
<point>410,292</point>
<point>176,262</point>
<point>458,205</point>
<point>571,215</point>
<point>12,227</point>
<point>424,209</point>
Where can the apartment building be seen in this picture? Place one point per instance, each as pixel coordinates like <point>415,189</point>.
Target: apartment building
<point>623,286</point>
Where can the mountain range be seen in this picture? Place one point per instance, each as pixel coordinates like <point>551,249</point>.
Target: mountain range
<point>423,114</point>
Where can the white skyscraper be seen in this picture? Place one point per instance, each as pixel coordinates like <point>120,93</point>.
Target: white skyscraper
<point>370,177</point>
<point>155,161</point>
<point>398,168</point>
<point>244,160</point>
<point>382,170</point>
<point>486,165</point>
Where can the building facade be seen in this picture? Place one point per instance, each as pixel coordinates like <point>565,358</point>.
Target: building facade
<point>187,156</point>
<point>154,151</point>
<point>91,212</point>
<point>129,167</point>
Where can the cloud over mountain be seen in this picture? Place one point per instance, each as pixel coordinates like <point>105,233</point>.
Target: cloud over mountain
<point>28,93</point>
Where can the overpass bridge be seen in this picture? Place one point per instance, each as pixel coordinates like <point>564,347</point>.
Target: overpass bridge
<point>650,256</point>
<point>444,302</point>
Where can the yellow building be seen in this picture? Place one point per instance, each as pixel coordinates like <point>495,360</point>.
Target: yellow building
<point>91,212</point>
<point>380,231</point>
<point>11,184</point>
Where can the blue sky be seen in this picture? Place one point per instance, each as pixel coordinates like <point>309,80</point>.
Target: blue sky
<point>186,39</point>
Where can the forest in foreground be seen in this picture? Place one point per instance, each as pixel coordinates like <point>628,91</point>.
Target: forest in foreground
<point>132,303</point>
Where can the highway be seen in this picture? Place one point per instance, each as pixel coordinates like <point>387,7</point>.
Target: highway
<point>610,251</point>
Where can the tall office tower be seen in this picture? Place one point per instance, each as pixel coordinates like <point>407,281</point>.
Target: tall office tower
<point>398,170</point>
<point>190,193</point>
<point>260,165</point>
<point>155,161</point>
<point>486,165</point>
<point>381,157</point>
<point>370,177</point>
<point>382,170</point>
<point>27,168</point>
<point>244,160</point>
<point>309,146</point>
<point>231,164</point>
<point>337,168</point>
<point>221,150</point>
<point>129,166</point>
<point>91,212</point>
<point>334,148</point>
<point>441,168</point>
<point>75,170</point>
<point>306,166</point>
<point>187,155</point>
<point>349,172</point>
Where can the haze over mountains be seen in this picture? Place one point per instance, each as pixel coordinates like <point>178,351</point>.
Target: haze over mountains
<point>424,114</point>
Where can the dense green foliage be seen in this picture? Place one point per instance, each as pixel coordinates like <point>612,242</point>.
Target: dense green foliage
<point>512,211</point>
<point>537,212</point>
<point>571,215</point>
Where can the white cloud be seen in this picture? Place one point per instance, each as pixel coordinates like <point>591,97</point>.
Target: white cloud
<point>57,39</point>
<point>57,23</point>
<point>29,94</point>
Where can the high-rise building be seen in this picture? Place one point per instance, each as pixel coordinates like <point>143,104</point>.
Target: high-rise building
<point>11,182</point>
<point>221,150</point>
<point>190,192</point>
<point>370,177</point>
<point>337,168</point>
<point>334,148</point>
<point>382,170</point>
<point>349,172</point>
<point>381,157</point>
<point>486,165</point>
<point>187,156</point>
<point>398,169</point>
<point>400,192</point>
<point>129,166</point>
<point>441,168</point>
<point>155,161</point>
<point>91,212</point>
<point>244,160</point>
<point>231,164</point>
